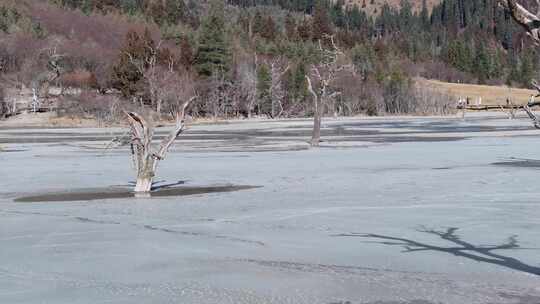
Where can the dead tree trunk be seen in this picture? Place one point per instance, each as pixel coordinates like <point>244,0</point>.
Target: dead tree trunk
<point>528,20</point>
<point>531,23</point>
<point>316,134</point>
<point>146,157</point>
<point>532,116</point>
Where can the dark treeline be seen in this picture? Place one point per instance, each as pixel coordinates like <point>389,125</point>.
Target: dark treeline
<point>250,57</point>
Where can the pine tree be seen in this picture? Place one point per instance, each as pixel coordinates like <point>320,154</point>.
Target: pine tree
<point>175,10</point>
<point>321,22</point>
<point>258,23</point>
<point>213,54</point>
<point>481,66</point>
<point>304,30</point>
<point>424,16</point>
<point>264,81</point>
<point>186,54</point>
<point>356,19</point>
<point>513,74</point>
<point>299,80</point>
<point>156,10</point>
<point>526,70</point>
<point>126,77</point>
<point>336,12</point>
<point>269,30</point>
<point>405,16</point>
<point>460,56</point>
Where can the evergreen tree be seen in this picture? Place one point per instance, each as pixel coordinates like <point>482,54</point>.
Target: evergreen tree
<point>321,22</point>
<point>295,82</point>
<point>526,70</point>
<point>290,27</point>
<point>156,11</point>
<point>258,23</point>
<point>175,10</point>
<point>336,13</point>
<point>356,19</point>
<point>213,54</point>
<point>363,57</point>
<point>269,30</point>
<point>126,77</point>
<point>186,54</point>
<point>405,16</point>
<point>459,55</point>
<point>513,74</point>
<point>424,16</point>
<point>304,30</point>
<point>264,82</point>
<point>481,65</point>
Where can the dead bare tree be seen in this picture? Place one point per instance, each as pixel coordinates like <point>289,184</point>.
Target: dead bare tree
<point>320,82</point>
<point>146,156</point>
<point>527,108</point>
<point>245,88</point>
<point>151,72</point>
<point>217,99</point>
<point>42,81</point>
<point>531,23</point>
<point>4,108</point>
<point>278,68</point>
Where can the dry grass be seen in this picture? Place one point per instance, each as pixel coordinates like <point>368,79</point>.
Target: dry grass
<point>491,95</point>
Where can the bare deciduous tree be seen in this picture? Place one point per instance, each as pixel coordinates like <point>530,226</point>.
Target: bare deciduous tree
<point>4,108</point>
<point>321,81</point>
<point>531,23</point>
<point>247,86</point>
<point>152,73</point>
<point>42,81</point>
<point>146,156</point>
<point>218,97</point>
<point>278,68</point>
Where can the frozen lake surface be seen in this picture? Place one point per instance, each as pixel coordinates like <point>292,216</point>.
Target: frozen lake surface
<point>387,211</point>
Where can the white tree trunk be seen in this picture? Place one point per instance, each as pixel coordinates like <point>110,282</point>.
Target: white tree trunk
<point>144,184</point>
<point>316,134</point>
<point>145,156</point>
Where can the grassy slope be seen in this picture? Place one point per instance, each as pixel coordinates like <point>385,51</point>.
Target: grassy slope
<point>489,94</point>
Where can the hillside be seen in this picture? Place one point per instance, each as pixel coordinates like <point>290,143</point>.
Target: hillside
<point>247,58</point>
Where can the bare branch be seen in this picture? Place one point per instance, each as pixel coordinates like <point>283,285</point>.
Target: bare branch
<point>178,129</point>
<point>535,84</point>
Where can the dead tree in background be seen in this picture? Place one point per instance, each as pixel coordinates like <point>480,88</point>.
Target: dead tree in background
<point>4,108</point>
<point>321,80</point>
<point>531,23</point>
<point>247,85</point>
<point>154,73</point>
<point>42,81</point>
<point>278,68</point>
<point>146,156</point>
